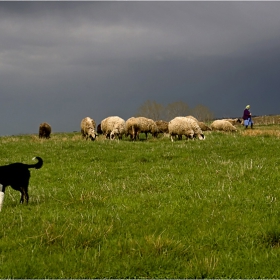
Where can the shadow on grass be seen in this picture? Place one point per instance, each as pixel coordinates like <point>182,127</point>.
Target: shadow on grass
<point>271,238</point>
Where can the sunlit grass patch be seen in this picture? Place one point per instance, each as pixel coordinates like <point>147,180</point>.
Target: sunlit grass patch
<point>261,132</point>
<point>161,245</point>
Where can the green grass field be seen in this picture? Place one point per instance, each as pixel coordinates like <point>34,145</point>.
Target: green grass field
<point>145,209</point>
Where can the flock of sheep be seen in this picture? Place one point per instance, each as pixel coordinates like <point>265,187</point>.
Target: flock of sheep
<point>115,127</point>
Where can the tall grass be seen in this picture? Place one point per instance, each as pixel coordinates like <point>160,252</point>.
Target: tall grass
<point>144,209</point>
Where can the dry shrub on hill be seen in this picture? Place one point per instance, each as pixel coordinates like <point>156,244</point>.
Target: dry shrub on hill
<point>265,120</point>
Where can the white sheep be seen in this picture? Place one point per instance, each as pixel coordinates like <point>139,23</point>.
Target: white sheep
<point>234,121</point>
<point>202,125</point>
<point>113,127</point>
<point>147,126</point>
<point>88,128</point>
<point>222,125</point>
<point>131,126</point>
<point>180,126</point>
<point>135,126</point>
<point>192,117</point>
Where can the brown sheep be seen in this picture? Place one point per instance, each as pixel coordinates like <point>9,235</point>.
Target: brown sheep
<point>88,128</point>
<point>203,126</point>
<point>162,126</point>
<point>45,130</point>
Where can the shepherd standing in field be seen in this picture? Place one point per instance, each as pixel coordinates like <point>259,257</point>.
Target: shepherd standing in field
<point>247,117</point>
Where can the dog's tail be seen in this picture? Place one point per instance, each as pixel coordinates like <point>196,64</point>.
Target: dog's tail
<point>37,165</point>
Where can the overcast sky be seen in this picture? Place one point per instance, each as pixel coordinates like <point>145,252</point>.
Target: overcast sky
<point>63,61</point>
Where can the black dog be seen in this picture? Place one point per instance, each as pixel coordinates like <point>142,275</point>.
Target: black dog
<point>17,176</point>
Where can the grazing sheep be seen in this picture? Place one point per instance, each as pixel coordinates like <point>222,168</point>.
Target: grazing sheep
<point>147,126</point>
<point>202,125</point>
<point>88,128</point>
<point>192,117</point>
<point>162,126</point>
<point>135,126</point>
<point>45,130</point>
<point>113,127</point>
<point>131,128</point>
<point>17,176</point>
<point>234,121</point>
<point>180,126</point>
<point>222,125</point>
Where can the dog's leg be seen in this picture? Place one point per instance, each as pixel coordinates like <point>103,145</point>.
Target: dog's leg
<point>2,194</point>
<point>21,197</point>
<point>24,196</point>
<point>22,186</point>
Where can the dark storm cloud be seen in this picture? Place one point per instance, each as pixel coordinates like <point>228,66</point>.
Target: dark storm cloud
<point>62,61</point>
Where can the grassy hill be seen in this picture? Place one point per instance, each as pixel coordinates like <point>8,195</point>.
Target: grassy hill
<point>145,209</point>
